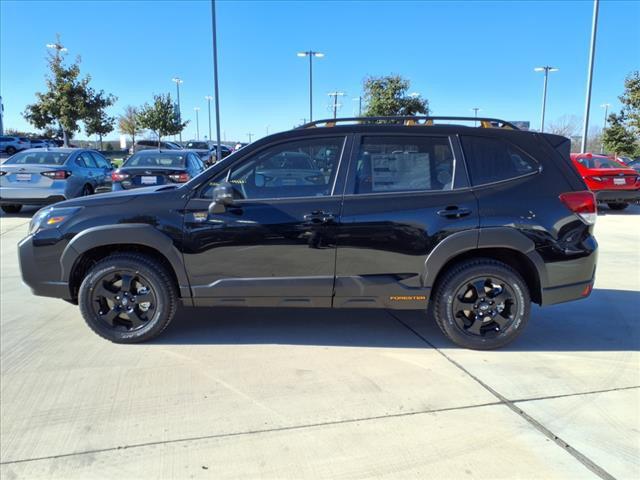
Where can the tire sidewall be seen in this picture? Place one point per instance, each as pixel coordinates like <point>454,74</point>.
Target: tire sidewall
<point>155,325</point>
<point>477,342</point>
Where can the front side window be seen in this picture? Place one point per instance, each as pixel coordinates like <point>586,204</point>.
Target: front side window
<point>301,168</point>
<point>404,163</point>
<point>100,160</point>
<point>492,160</point>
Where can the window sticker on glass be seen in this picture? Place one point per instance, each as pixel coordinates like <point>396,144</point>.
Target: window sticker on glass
<point>400,171</point>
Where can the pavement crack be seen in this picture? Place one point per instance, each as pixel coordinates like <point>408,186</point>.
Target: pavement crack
<point>578,394</point>
<point>253,432</point>
<point>580,457</point>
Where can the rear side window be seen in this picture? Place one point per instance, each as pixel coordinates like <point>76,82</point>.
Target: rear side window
<point>492,160</point>
<point>404,163</point>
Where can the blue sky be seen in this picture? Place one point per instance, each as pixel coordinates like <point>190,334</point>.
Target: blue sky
<point>457,54</point>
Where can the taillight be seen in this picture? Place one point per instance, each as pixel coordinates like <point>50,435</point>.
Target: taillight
<point>2,173</point>
<point>179,177</point>
<point>57,174</point>
<point>118,176</point>
<point>582,204</point>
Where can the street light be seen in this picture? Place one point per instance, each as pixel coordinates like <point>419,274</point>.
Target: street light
<point>546,70</point>
<point>592,55</point>
<point>604,125</point>
<point>178,81</point>
<point>197,109</point>
<point>57,46</point>
<point>311,54</point>
<point>208,98</point>
<point>359,100</point>
<point>475,113</point>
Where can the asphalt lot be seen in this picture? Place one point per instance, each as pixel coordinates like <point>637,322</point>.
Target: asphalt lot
<point>324,394</point>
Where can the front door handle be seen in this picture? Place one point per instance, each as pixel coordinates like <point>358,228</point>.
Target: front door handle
<point>454,212</point>
<point>319,217</point>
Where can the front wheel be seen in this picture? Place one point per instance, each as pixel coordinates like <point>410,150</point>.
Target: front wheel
<point>617,206</point>
<point>128,298</point>
<point>11,208</point>
<point>482,304</point>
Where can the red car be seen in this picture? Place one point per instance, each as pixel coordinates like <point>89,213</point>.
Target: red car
<point>613,182</point>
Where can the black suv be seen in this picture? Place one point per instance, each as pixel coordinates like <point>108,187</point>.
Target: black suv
<point>470,224</point>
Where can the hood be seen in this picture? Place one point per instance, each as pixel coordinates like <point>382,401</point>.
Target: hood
<point>115,198</point>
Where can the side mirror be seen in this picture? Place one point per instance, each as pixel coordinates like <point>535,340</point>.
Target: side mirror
<point>222,198</point>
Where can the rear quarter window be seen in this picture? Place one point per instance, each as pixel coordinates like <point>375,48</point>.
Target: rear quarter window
<point>493,160</point>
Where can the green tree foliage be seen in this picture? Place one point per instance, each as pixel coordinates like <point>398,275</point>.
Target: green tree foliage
<point>67,101</point>
<point>617,138</point>
<point>96,121</point>
<point>128,123</point>
<point>387,96</point>
<point>622,136</point>
<point>160,117</point>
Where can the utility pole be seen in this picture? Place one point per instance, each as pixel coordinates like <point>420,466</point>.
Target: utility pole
<point>546,70</point>
<point>197,109</point>
<point>311,54</point>
<point>208,98</point>
<point>250,135</point>
<point>359,100</point>
<point>592,54</point>
<point>215,78</point>
<point>178,81</point>
<point>604,125</point>
<point>335,96</point>
<point>1,116</point>
<point>475,114</point>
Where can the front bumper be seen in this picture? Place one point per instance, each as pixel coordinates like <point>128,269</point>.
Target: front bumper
<point>40,269</point>
<point>618,196</point>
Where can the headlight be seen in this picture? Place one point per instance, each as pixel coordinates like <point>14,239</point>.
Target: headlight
<point>51,217</point>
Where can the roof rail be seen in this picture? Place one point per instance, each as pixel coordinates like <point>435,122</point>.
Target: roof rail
<point>423,121</point>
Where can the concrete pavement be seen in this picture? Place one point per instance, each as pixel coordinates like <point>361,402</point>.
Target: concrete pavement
<point>324,394</point>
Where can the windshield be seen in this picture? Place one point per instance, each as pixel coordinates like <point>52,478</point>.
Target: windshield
<point>38,158</point>
<point>599,162</point>
<point>198,145</point>
<point>156,159</point>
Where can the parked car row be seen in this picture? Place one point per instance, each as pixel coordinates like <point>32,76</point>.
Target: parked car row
<point>11,144</point>
<point>46,176</point>
<point>206,149</point>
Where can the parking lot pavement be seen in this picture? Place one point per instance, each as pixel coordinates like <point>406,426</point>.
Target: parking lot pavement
<point>324,394</point>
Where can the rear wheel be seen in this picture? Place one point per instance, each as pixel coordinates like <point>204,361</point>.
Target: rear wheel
<point>128,298</point>
<point>11,150</point>
<point>11,208</point>
<point>86,191</point>
<point>482,304</point>
<point>617,206</point>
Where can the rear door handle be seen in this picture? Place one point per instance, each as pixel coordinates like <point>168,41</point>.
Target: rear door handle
<point>454,212</point>
<point>319,217</point>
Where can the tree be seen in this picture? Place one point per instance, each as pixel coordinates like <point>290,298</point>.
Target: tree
<point>617,138</point>
<point>97,122</point>
<point>161,117</point>
<point>128,123</point>
<point>67,99</point>
<point>630,100</point>
<point>567,126</point>
<point>387,96</point>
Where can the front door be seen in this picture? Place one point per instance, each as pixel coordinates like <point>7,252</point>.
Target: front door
<point>276,245</point>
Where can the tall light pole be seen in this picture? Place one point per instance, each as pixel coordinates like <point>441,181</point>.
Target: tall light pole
<point>267,129</point>
<point>215,78</point>
<point>250,135</point>
<point>197,109</point>
<point>58,47</point>
<point>592,54</point>
<point>359,100</point>
<point>475,114</point>
<point>311,54</point>
<point>604,125</point>
<point>208,98</point>
<point>546,69</point>
<point>335,105</point>
<point>178,81</point>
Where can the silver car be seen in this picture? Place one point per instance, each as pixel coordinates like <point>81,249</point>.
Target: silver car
<point>12,144</point>
<point>43,176</point>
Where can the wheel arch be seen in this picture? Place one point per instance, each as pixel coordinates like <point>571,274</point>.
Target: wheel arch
<point>503,244</point>
<point>96,243</point>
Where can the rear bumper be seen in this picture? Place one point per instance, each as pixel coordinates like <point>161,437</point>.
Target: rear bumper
<point>31,196</point>
<point>618,196</point>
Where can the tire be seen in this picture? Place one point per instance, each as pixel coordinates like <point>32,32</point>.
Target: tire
<point>11,150</point>
<point>103,305</point>
<point>86,191</point>
<point>617,206</point>
<point>504,300</point>
<point>11,208</point>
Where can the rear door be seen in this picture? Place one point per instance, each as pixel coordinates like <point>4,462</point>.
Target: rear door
<point>276,245</point>
<point>404,194</point>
